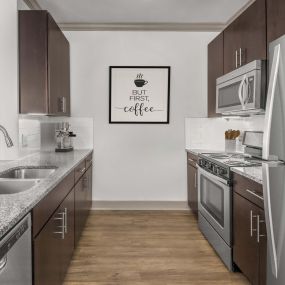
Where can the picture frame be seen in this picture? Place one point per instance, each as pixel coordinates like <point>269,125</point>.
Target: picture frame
<point>139,94</point>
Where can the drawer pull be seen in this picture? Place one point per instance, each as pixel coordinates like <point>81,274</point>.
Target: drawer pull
<point>254,194</point>
<point>258,236</point>
<point>81,170</point>
<point>251,223</point>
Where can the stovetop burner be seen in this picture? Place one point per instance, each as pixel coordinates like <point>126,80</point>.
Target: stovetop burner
<point>220,163</point>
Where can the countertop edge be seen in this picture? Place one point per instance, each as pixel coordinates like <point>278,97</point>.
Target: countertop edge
<point>23,212</point>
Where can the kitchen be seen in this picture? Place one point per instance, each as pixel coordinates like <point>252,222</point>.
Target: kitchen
<point>91,196</point>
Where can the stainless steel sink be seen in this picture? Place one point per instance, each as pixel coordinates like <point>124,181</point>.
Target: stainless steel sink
<point>16,186</point>
<point>28,173</point>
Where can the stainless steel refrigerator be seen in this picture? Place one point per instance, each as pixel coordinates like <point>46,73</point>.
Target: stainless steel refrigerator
<point>274,173</point>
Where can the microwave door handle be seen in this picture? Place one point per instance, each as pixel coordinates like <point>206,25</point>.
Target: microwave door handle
<point>240,92</point>
<point>245,92</point>
<point>270,102</point>
<point>269,222</point>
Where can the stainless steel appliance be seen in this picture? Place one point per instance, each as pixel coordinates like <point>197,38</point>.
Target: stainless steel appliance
<point>64,137</point>
<point>242,91</point>
<point>215,199</point>
<point>16,255</point>
<point>274,175</point>
<point>253,141</point>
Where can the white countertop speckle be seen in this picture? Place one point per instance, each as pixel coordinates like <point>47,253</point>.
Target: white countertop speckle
<point>13,207</point>
<point>251,172</point>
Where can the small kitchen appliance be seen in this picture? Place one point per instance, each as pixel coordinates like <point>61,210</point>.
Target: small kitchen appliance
<point>64,137</point>
<point>242,91</point>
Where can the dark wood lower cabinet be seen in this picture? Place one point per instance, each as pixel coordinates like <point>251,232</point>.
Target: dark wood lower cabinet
<point>58,221</point>
<point>54,245</point>
<point>245,250</point>
<point>249,237</point>
<point>192,189</point>
<point>83,202</point>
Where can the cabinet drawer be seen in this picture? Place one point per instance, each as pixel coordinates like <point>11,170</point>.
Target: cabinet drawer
<point>88,160</point>
<point>192,159</point>
<point>249,189</point>
<point>45,208</point>
<point>79,171</point>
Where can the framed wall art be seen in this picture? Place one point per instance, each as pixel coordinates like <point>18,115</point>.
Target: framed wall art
<point>139,94</point>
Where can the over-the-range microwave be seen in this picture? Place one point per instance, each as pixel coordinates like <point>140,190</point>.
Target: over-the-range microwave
<point>242,91</point>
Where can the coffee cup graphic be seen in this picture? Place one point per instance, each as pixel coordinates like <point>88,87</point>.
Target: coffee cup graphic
<point>139,81</point>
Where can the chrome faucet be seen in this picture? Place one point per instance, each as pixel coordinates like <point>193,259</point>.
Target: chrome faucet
<point>8,140</point>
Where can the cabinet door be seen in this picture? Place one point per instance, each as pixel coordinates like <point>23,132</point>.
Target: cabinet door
<point>83,202</point>
<point>262,249</point>
<point>58,70</point>
<point>89,190</point>
<point>215,70</point>
<point>33,62</point>
<point>192,188</point>
<point>54,245</point>
<point>245,246</point>
<point>67,207</point>
<point>248,33</point>
<point>275,19</point>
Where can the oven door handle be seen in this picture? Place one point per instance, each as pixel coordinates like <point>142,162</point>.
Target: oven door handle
<point>212,176</point>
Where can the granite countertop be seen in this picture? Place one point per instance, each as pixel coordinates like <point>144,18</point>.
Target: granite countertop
<point>251,172</point>
<point>13,207</point>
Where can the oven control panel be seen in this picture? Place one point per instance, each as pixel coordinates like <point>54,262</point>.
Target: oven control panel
<point>214,168</point>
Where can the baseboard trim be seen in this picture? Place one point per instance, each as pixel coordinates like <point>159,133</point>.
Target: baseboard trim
<point>140,205</point>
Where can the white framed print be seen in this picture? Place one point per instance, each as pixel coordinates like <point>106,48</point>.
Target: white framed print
<point>139,94</point>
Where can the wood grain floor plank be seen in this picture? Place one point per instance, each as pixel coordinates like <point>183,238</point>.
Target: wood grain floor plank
<point>146,248</point>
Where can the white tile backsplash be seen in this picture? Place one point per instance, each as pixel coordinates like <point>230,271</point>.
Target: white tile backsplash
<point>209,133</point>
<point>38,133</point>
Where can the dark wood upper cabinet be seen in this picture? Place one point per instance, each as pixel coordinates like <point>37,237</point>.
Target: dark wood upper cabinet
<point>245,37</point>
<point>215,70</point>
<point>44,67</point>
<point>192,189</point>
<point>275,19</point>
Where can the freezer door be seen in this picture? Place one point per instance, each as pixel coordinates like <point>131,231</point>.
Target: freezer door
<point>274,201</point>
<point>274,129</point>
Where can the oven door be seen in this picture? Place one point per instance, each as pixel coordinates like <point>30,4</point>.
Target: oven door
<point>214,203</point>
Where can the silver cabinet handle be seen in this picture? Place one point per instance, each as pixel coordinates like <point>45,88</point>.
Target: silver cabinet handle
<point>240,57</point>
<point>254,193</point>
<point>236,58</point>
<point>251,223</point>
<point>62,226</point>
<point>81,170</point>
<point>195,182</point>
<point>62,104</point>
<point>3,262</point>
<point>65,220</point>
<point>258,235</point>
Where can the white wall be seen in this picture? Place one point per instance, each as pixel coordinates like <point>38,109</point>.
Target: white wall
<point>9,75</point>
<point>139,162</point>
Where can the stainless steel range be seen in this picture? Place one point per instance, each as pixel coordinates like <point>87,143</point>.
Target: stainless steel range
<point>215,199</point>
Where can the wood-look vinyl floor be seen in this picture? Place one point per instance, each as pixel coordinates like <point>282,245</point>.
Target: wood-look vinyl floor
<point>146,247</point>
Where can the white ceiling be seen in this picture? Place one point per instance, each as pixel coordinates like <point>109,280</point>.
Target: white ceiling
<point>143,11</point>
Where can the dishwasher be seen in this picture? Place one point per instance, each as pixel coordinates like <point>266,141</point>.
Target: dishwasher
<point>16,255</point>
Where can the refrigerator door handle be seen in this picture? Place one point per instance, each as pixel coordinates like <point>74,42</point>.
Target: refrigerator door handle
<point>269,223</point>
<point>270,103</point>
